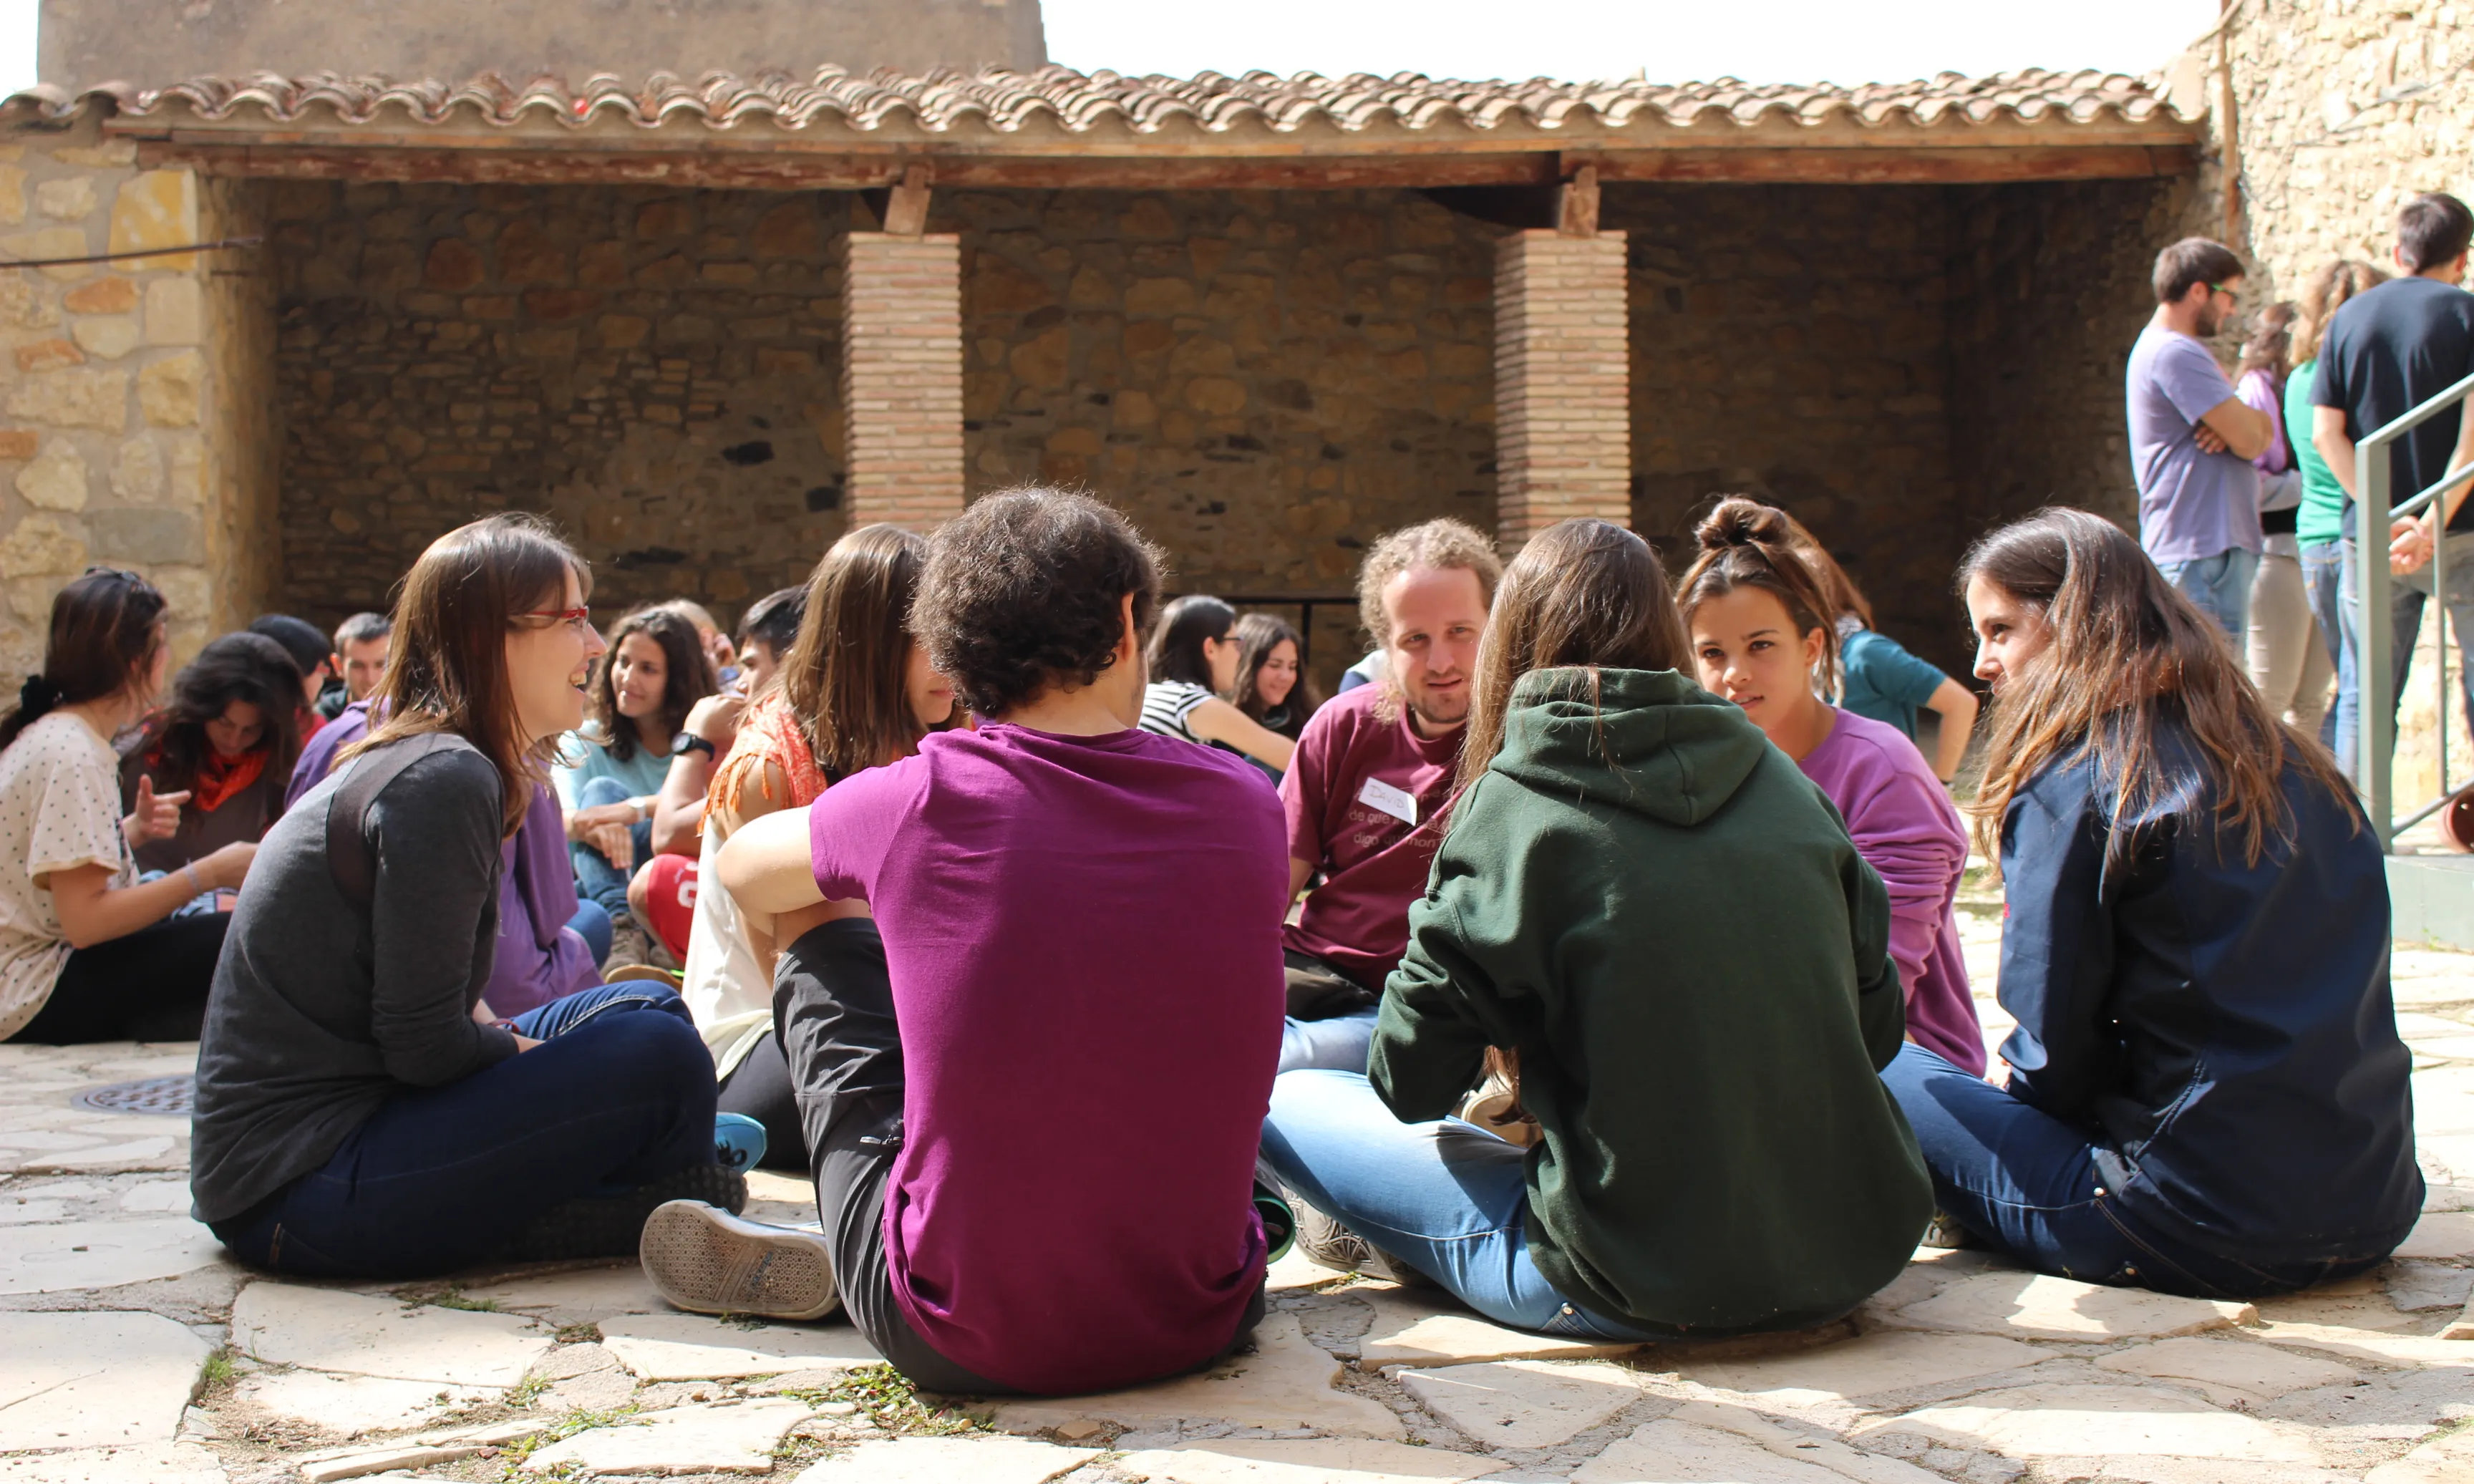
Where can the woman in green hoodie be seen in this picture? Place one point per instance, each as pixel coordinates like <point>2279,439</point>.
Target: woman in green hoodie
<point>1661,919</point>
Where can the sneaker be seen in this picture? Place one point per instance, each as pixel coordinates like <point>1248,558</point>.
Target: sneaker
<point>738,1141</point>
<point>611,1226</point>
<point>708,1261</point>
<point>1334,1246</point>
<point>1944,1232</point>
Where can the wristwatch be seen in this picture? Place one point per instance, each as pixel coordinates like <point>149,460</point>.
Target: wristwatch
<point>690,741</point>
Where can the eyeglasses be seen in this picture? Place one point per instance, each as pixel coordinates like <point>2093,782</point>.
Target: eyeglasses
<point>579,620</point>
<point>2219,288</point>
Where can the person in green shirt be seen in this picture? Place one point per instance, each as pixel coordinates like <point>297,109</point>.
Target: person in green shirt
<point>1661,923</point>
<point>2319,522</point>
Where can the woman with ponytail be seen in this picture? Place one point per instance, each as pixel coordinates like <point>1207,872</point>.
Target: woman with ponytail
<point>1652,912</point>
<point>85,950</point>
<point>2206,1093</point>
<point>1763,637</point>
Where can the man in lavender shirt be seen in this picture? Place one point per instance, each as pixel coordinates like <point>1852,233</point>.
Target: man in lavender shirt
<point>1032,1000</point>
<point>2192,439</point>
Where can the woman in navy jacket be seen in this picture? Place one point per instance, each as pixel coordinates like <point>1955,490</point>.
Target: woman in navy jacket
<point>2206,1092</point>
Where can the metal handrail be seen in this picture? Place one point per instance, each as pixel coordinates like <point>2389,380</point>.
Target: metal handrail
<point>2375,732</point>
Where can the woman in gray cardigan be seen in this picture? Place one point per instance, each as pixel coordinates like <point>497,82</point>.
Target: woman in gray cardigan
<point>360,1110</point>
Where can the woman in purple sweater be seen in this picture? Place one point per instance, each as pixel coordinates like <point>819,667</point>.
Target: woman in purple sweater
<point>1760,638</point>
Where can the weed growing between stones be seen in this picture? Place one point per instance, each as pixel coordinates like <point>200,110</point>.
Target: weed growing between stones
<point>217,1375</point>
<point>515,1454</point>
<point>451,1296</point>
<point>527,1391</point>
<point>885,1396</point>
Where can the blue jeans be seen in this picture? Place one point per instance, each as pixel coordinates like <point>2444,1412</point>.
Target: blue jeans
<point>2026,1183</point>
<point>570,1013</point>
<point>2406,598</point>
<point>439,1177</point>
<point>592,923</point>
<point>1339,1044</point>
<point>596,880</point>
<point>2323,576</point>
<point>2220,585</point>
<point>1449,1199</point>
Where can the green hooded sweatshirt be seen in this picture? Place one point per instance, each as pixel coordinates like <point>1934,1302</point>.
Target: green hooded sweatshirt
<point>1664,917</point>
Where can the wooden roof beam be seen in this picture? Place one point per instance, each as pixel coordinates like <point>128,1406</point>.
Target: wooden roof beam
<point>756,169</point>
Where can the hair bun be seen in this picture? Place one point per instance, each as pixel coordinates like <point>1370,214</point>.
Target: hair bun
<point>1739,521</point>
<point>38,694</point>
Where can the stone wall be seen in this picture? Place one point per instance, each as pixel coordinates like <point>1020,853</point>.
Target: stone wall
<point>653,369</point>
<point>1264,381</point>
<point>110,410</point>
<point>2049,287</point>
<point>1788,344</point>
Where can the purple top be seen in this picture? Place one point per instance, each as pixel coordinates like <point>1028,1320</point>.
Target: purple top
<point>1907,829</point>
<point>2259,392</point>
<point>539,958</point>
<point>2192,505</point>
<point>1083,937</point>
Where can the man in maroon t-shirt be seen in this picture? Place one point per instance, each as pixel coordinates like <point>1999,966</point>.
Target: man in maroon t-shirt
<point>1372,774</point>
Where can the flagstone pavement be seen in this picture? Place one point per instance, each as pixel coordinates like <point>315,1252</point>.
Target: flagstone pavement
<point>132,1352</point>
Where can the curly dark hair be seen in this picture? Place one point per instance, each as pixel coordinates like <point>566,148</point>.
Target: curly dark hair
<point>1022,591</point>
<point>245,667</point>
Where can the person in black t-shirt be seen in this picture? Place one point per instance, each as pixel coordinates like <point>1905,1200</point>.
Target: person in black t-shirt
<point>2387,352</point>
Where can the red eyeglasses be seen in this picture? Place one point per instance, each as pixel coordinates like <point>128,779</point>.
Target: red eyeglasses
<point>578,619</point>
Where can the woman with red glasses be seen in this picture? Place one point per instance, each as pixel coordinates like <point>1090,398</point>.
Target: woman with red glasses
<point>361,1111</point>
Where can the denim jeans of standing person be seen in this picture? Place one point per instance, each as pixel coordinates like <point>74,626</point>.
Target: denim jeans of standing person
<point>2407,597</point>
<point>2026,1183</point>
<point>1448,1198</point>
<point>597,879</point>
<point>2220,585</point>
<point>2322,578</point>
<point>440,1177</point>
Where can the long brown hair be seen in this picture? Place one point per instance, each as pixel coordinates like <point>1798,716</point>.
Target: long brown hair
<point>2323,293</point>
<point>447,669</point>
<point>686,676</point>
<point>1259,633</point>
<point>1583,594</point>
<point>2126,652</point>
<point>105,627</point>
<point>1745,543</point>
<point>843,677</point>
<point>2270,345</point>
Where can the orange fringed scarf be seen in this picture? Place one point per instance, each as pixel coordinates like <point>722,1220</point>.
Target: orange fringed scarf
<point>219,778</point>
<point>768,734</point>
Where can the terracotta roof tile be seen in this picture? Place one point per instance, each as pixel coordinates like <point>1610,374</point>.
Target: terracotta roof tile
<point>1060,101</point>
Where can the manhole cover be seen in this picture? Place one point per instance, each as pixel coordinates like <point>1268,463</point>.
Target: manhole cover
<point>167,1096</point>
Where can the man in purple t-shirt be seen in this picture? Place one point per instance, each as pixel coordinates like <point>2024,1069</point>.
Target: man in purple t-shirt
<point>1035,1079</point>
<point>2192,439</point>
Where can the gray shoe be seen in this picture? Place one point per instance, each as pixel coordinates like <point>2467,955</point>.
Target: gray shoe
<point>1334,1246</point>
<point>706,1260</point>
<point>629,944</point>
<point>1945,1234</point>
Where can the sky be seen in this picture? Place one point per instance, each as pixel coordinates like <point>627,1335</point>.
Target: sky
<point>1670,41</point>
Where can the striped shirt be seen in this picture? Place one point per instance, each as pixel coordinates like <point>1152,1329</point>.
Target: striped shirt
<point>1167,703</point>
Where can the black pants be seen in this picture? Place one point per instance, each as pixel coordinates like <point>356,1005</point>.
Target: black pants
<point>760,1088</point>
<point>149,985</point>
<point>832,1014</point>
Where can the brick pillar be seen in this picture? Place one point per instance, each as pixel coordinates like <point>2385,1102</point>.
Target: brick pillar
<point>901,378</point>
<point>1561,383</point>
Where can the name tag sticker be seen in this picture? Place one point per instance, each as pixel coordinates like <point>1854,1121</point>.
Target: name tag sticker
<point>1400,803</point>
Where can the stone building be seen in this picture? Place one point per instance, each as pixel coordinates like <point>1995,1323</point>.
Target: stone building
<point>707,327</point>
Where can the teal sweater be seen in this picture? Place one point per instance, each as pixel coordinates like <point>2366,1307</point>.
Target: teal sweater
<point>1664,917</point>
